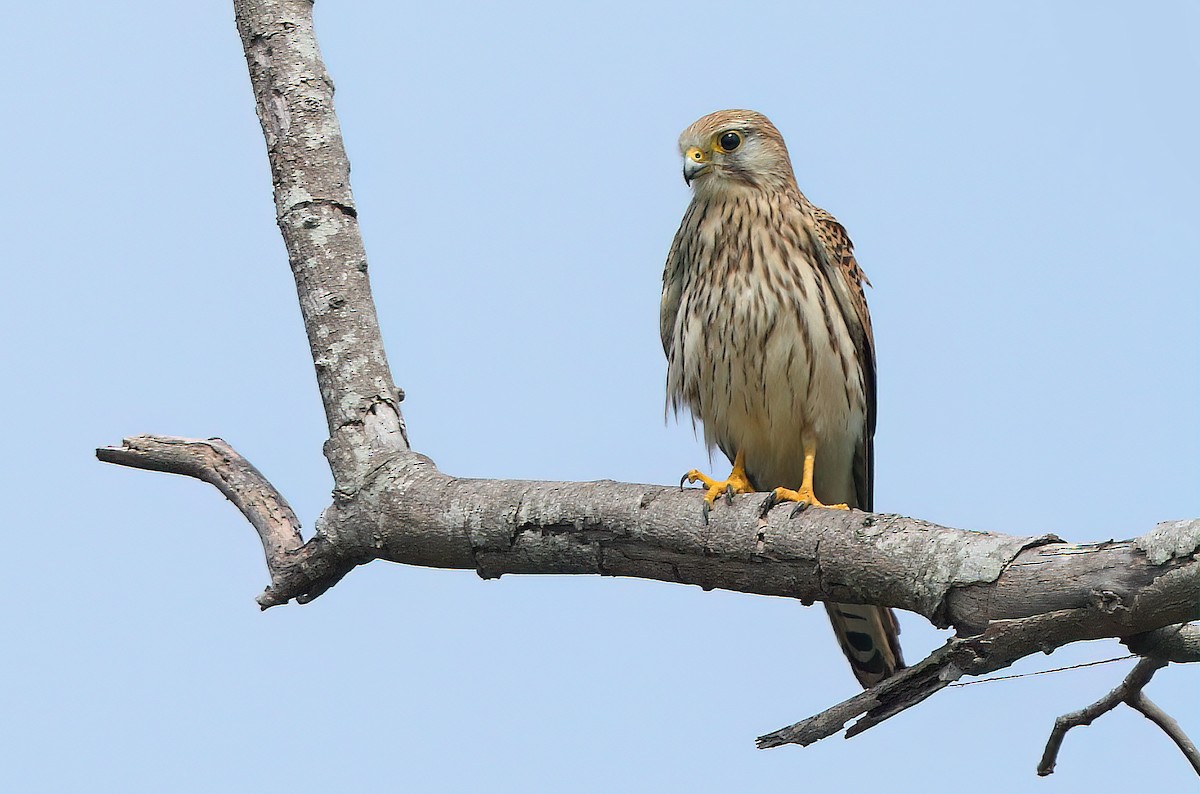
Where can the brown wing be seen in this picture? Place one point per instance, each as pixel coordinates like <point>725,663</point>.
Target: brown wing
<point>853,302</point>
<point>673,278</point>
<point>869,635</point>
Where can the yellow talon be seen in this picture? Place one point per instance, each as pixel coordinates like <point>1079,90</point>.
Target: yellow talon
<point>804,497</point>
<point>737,482</point>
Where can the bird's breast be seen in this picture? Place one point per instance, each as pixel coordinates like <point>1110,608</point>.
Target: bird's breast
<point>759,352</point>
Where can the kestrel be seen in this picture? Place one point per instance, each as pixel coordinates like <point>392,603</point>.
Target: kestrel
<point>768,342</point>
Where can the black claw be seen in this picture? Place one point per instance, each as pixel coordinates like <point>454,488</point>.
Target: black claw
<point>704,512</point>
<point>767,504</point>
<point>729,494</point>
<point>798,509</point>
<point>682,480</point>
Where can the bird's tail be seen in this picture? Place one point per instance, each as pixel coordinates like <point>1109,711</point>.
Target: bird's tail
<point>870,638</point>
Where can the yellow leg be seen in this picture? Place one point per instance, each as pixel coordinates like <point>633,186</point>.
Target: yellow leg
<point>737,482</point>
<point>804,497</point>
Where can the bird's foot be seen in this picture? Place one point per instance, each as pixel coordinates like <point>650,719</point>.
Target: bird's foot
<point>804,499</point>
<point>736,483</point>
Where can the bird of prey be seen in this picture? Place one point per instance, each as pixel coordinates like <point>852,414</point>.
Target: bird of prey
<point>768,343</point>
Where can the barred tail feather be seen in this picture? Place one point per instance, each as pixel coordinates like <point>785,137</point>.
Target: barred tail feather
<point>870,638</point>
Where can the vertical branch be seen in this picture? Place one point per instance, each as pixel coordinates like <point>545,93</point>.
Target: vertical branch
<point>316,214</point>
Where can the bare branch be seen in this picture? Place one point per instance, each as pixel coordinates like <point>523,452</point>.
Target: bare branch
<point>407,511</point>
<point>1179,643</point>
<point>1170,727</point>
<point>891,696</point>
<point>319,222</point>
<point>216,463</point>
<point>1128,691</point>
<point>304,570</point>
<point>1000,645</point>
<point>1141,674</point>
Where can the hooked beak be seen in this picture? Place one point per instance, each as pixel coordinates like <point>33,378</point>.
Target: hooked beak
<point>695,164</point>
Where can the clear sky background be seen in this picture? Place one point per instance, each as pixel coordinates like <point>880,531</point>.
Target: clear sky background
<point>1021,186</point>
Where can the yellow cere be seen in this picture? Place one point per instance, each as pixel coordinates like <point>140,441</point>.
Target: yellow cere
<point>696,153</point>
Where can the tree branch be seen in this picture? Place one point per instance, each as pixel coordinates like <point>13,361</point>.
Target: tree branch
<point>1129,692</point>
<point>1050,592</point>
<point>1170,644</point>
<point>1008,596</point>
<point>316,214</point>
<point>1162,719</point>
<point>889,697</point>
<point>1031,594</point>
<point>215,462</point>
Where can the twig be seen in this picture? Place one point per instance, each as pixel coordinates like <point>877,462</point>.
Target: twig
<point>215,462</point>
<point>1128,691</point>
<point>301,570</point>
<point>1170,727</point>
<point>889,697</point>
<point>1002,643</point>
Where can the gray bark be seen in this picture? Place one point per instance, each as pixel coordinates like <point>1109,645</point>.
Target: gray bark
<point>316,214</point>
<point>407,511</point>
<point>1007,596</point>
<point>1130,691</point>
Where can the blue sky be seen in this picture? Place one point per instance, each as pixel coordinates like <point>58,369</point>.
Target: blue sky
<point>1020,184</point>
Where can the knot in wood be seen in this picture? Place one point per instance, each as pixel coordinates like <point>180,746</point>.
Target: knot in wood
<point>1107,601</point>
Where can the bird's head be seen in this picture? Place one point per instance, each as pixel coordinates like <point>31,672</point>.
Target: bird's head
<point>732,150</point>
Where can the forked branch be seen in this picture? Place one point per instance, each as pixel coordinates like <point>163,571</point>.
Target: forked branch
<point>1130,692</point>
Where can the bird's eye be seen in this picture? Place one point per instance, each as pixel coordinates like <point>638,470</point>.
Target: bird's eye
<point>730,141</point>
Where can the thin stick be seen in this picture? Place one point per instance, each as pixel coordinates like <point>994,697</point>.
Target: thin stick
<point>1138,677</point>
<point>1170,727</point>
<point>215,462</point>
